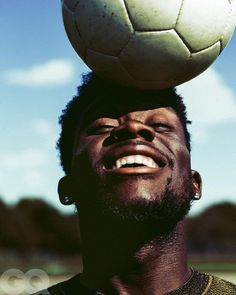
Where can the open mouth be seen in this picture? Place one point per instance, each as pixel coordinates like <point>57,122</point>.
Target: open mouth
<point>133,161</point>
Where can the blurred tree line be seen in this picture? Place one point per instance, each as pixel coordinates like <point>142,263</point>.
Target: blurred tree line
<point>33,226</point>
<point>213,231</point>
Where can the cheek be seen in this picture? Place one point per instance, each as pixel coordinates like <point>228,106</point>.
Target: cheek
<point>183,167</point>
<point>181,173</point>
<point>184,155</point>
<point>180,153</point>
<point>88,153</point>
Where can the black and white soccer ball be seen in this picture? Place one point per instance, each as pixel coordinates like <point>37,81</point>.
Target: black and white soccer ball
<point>149,43</point>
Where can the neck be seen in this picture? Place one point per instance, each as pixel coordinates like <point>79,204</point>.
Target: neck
<point>130,259</point>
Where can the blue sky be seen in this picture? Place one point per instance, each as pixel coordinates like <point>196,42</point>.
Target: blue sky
<point>39,73</point>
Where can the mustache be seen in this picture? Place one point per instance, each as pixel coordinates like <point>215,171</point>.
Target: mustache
<point>170,161</point>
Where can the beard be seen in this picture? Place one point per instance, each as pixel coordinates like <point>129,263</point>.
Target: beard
<point>161,212</point>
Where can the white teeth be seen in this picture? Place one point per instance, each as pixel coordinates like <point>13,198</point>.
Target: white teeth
<point>151,163</point>
<point>130,160</point>
<point>138,159</point>
<point>145,162</point>
<point>118,164</point>
<point>135,159</point>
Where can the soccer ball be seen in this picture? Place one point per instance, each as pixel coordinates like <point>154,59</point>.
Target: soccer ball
<point>149,43</point>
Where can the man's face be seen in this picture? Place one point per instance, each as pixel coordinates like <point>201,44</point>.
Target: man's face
<point>132,155</point>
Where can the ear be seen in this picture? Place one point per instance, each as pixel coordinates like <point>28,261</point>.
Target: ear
<point>197,184</point>
<point>65,190</point>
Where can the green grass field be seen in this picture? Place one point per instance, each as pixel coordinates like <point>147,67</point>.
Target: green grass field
<point>218,267</point>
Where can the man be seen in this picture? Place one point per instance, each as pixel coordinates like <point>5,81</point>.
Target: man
<point>126,156</point>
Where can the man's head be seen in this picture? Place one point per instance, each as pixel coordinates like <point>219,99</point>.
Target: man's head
<point>126,153</point>
<point>95,90</point>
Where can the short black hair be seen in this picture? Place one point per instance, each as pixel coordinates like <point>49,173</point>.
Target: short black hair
<point>94,88</point>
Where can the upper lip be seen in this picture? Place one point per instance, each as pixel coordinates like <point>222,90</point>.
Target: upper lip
<point>134,148</point>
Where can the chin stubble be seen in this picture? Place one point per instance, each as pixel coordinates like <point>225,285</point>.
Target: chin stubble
<point>162,211</point>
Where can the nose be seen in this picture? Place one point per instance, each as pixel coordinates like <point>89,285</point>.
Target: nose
<point>132,129</point>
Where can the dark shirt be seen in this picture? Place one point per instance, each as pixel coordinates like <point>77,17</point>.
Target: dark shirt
<point>198,284</point>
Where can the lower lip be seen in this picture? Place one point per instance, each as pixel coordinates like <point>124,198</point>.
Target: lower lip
<point>134,170</point>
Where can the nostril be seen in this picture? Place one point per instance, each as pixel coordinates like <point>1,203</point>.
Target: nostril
<point>113,134</point>
<point>132,129</point>
<point>125,133</point>
<point>146,134</point>
<point>122,134</point>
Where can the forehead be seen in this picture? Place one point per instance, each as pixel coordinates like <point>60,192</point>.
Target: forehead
<point>121,107</point>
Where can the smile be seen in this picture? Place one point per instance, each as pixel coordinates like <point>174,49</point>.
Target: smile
<point>134,161</point>
<point>134,158</point>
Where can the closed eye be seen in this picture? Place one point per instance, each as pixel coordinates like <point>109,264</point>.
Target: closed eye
<point>99,129</point>
<point>161,127</point>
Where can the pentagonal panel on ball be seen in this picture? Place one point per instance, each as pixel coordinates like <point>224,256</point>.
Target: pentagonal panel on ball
<point>154,55</point>
<point>198,63</point>
<point>108,67</point>
<point>153,15</point>
<point>202,23</point>
<point>71,4</point>
<point>104,25</point>
<point>72,32</point>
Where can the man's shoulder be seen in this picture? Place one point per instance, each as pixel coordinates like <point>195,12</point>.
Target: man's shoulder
<point>220,286</point>
<point>200,283</point>
<point>68,287</point>
<point>212,285</point>
<point>62,288</point>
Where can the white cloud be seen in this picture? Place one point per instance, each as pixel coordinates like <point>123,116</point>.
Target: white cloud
<point>24,159</point>
<point>34,180</point>
<point>32,169</point>
<point>209,102</point>
<point>47,130</point>
<point>28,172</point>
<point>43,127</point>
<point>52,72</point>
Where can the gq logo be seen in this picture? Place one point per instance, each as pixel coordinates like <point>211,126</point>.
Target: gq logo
<point>15,282</point>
